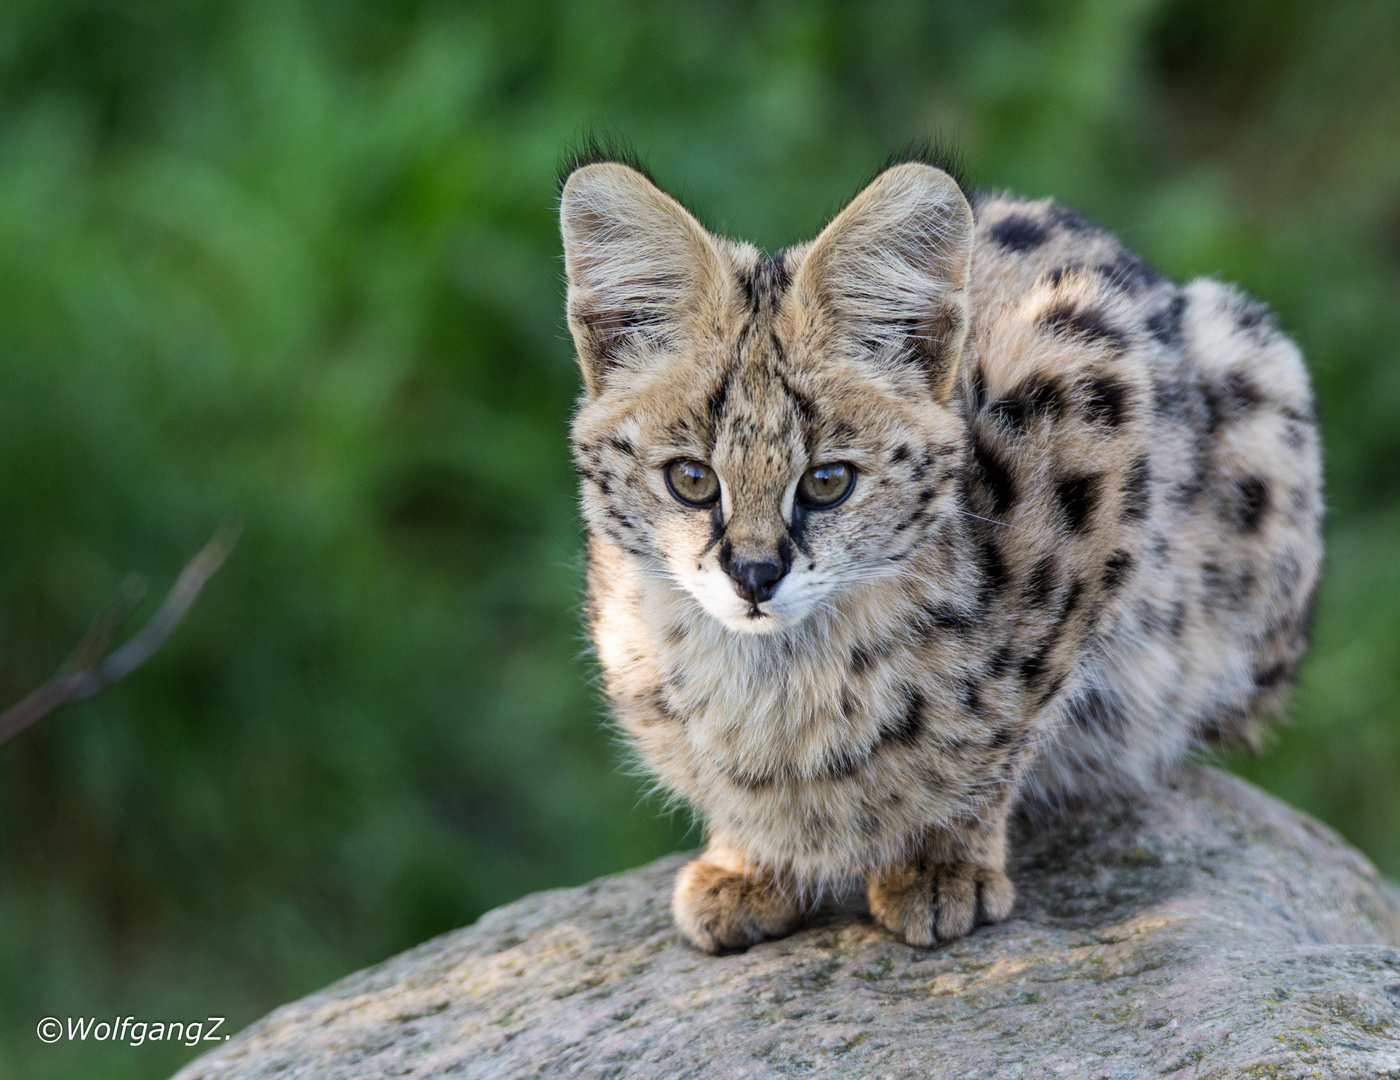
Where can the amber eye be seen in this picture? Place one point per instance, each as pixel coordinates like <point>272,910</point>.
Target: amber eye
<point>822,486</point>
<point>692,483</point>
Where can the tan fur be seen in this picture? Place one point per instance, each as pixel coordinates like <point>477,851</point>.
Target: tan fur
<point>1082,540</point>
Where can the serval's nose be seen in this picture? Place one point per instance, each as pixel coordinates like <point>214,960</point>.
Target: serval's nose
<point>755,580</point>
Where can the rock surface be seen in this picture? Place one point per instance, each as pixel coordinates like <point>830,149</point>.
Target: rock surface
<point>1209,932</point>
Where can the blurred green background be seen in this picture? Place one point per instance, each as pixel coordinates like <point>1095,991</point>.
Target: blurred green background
<point>296,261</point>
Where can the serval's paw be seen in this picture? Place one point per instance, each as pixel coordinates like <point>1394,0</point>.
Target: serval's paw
<point>924,906</point>
<point>722,911</point>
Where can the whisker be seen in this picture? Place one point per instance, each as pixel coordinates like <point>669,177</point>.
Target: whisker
<point>991,521</point>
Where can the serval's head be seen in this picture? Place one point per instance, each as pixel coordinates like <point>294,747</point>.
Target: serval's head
<point>767,432</point>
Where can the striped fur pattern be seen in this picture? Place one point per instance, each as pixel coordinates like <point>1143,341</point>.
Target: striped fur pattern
<point>1082,540</point>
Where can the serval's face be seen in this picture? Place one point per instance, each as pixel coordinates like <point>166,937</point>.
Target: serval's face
<point>766,432</point>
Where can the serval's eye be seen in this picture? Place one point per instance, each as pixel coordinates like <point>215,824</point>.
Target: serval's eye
<point>693,483</point>
<point>824,486</point>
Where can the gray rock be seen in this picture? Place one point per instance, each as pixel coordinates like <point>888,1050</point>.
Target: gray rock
<point>1211,931</point>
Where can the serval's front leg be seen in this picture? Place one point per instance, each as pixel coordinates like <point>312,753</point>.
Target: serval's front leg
<point>956,881</point>
<point>722,904</point>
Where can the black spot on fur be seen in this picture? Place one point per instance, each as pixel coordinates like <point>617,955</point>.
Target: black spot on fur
<point>1154,621</point>
<point>1240,587</point>
<point>993,476</point>
<point>934,619</point>
<point>901,453</point>
<point>841,765</point>
<point>1176,622</point>
<point>1149,618</point>
<point>1249,315</point>
<point>1129,273</point>
<point>1087,323</point>
<point>719,396</point>
<point>994,572</point>
<point>621,445</point>
<point>1040,582</point>
<point>1000,661</point>
<point>1286,573</point>
<point>1008,768</point>
<point>1274,675</point>
<point>863,659</point>
<point>1018,232</point>
<point>1254,318</point>
<point>1062,217</point>
<point>1213,584</point>
<point>1238,395</point>
<point>1190,489</point>
<point>1038,396</point>
<point>1249,503</point>
<point>1106,401</point>
<point>906,728</point>
<point>977,388</point>
<point>1077,496</point>
<point>1096,710</point>
<point>1165,325</point>
<point>1221,722</point>
<point>1172,398</point>
<point>1137,490</point>
<point>1032,666</point>
<point>1116,568</point>
<point>1071,601</point>
<point>655,697</point>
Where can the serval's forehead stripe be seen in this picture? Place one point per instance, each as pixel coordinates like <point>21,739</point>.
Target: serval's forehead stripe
<point>756,397</point>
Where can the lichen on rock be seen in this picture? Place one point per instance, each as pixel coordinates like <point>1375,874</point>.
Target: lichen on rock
<point>1210,931</point>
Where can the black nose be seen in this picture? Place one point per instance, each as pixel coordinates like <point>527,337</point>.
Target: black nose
<point>756,581</point>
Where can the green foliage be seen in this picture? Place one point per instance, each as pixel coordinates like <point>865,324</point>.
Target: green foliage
<point>297,262</point>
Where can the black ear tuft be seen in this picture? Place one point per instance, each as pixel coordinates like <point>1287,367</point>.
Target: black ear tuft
<point>593,148</point>
<point>935,150</point>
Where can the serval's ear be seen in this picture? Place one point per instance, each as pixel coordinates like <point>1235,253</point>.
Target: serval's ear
<point>638,263</point>
<point>892,272</point>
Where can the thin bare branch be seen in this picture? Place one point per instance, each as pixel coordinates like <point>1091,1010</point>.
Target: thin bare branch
<point>105,627</point>
<point>70,685</point>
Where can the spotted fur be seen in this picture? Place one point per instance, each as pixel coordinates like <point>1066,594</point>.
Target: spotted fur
<point>1083,538</point>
